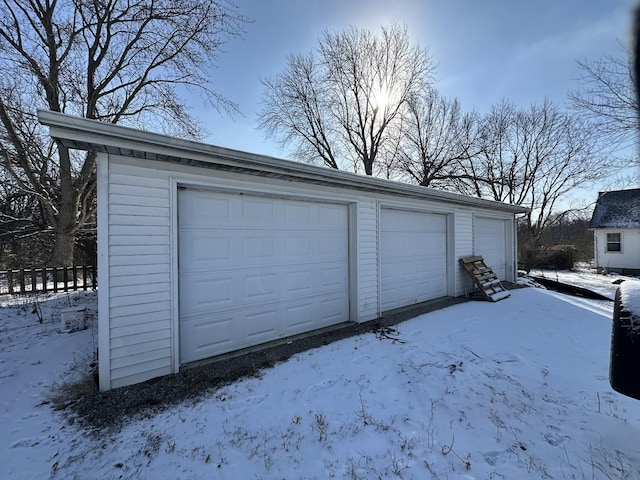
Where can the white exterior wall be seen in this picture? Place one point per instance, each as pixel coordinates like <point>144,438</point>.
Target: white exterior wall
<point>367,283</point>
<point>628,258</point>
<point>138,260</point>
<point>463,248</point>
<point>138,255</point>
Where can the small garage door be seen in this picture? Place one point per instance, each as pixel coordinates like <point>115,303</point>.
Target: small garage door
<point>254,269</point>
<point>413,257</point>
<point>489,241</point>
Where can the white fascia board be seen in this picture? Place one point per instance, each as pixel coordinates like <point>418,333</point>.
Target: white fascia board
<point>87,134</point>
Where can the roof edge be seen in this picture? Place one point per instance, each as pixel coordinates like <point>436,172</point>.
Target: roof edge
<point>88,134</point>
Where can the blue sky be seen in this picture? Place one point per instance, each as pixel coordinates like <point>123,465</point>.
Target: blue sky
<point>485,50</point>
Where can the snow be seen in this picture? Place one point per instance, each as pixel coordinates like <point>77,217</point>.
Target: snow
<point>617,209</point>
<point>34,356</point>
<point>479,390</point>
<point>630,296</point>
<point>630,300</point>
<point>585,277</point>
<point>497,296</point>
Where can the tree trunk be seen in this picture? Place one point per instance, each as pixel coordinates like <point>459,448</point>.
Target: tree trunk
<point>368,167</point>
<point>65,223</point>
<point>63,248</point>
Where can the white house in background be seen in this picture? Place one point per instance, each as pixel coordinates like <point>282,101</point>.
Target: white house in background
<point>204,250</point>
<point>616,229</point>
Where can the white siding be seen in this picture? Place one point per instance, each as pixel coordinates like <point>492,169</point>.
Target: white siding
<point>367,276</point>
<point>139,250</point>
<point>463,248</point>
<point>629,257</point>
<point>141,223</point>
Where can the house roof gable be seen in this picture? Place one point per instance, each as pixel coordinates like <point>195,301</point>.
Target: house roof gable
<point>617,209</point>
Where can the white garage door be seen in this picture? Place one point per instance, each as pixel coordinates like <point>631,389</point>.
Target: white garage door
<point>413,257</point>
<point>489,241</point>
<point>253,269</point>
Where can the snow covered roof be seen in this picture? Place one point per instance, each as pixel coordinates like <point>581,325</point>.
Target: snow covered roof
<point>617,209</point>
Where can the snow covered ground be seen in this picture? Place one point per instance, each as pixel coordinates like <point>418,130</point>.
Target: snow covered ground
<point>586,278</point>
<point>512,390</point>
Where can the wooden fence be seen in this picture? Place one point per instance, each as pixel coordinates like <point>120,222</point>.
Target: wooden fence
<point>48,279</point>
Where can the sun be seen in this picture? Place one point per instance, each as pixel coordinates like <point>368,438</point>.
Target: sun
<point>380,98</point>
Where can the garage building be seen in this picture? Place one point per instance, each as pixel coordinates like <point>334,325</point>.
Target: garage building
<point>204,250</point>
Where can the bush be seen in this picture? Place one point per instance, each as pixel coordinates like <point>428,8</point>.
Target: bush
<point>559,257</point>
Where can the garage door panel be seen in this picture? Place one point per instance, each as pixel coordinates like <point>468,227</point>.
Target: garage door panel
<point>264,265</point>
<point>332,246</point>
<point>261,287</point>
<point>261,324</point>
<point>249,287</point>
<point>437,288</point>
<point>212,333</point>
<point>199,209</point>
<point>298,246</point>
<point>434,242</point>
<point>399,221</point>
<point>305,314</point>
<point>255,247</point>
<point>490,242</point>
<point>413,257</point>
<point>332,279</point>
<point>331,216</point>
<point>398,295</point>
<point>332,310</point>
<point>206,294</point>
<point>299,317</point>
<point>299,282</point>
<point>437,266</point>
<point>204,249</point>
<point>399,268</point>
<point>258,211</point>
<point>297,214</point>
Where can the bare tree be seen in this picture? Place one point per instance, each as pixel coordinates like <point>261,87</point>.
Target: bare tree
<point>606,97</point>
<point>297,109</point>
<point>115,61</point>
<point>534,157</point>
<point>21,225</point>
<point>436,137</point>
<point>338,105</point>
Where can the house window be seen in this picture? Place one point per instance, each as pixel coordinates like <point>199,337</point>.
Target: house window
<point>614,242</point>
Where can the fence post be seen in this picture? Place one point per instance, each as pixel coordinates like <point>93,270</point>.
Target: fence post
<point>65,278</point>
<point>55,279</point>
<point>33,280</point>
<point>74,272</point>
<point>10,280</point>
<point>44,280</point>
<point>22,282</point>
<point>94,277</point>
